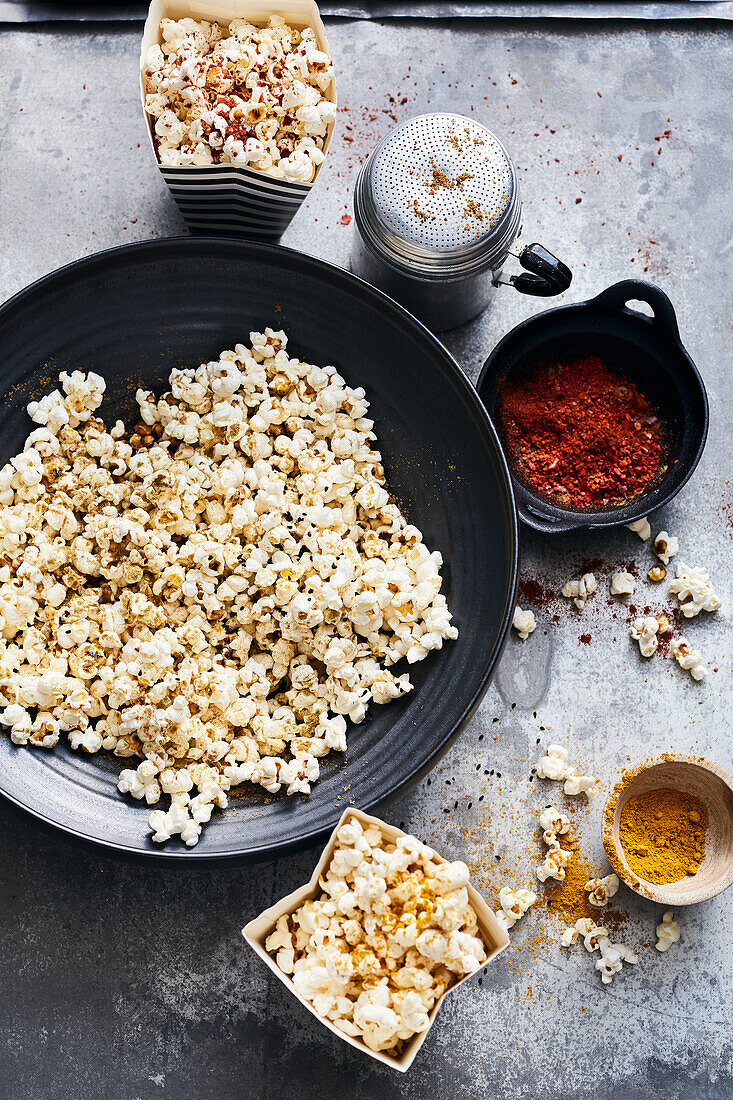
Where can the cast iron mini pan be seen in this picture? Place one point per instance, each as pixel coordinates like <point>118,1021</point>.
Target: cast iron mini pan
<point>133,313</point>
<point>648,351</point>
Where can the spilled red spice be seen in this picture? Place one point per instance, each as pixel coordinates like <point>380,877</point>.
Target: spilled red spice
<point>533,594</point>
<point>725,512</point>
<point>580,433</point>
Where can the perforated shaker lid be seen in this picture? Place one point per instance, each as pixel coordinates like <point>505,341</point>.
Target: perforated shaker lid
<point>439,196</point>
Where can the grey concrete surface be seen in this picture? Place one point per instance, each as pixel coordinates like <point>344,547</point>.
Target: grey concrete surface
<point>123,981</point>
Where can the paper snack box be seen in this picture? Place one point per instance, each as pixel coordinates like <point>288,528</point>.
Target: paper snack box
<point>225,199</point>
<point>258,930</point>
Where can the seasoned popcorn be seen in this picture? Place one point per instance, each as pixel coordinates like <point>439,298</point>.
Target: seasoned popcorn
<point>593,934</point>
<point>214,594</point>
<point>569,937</point>
<point>613,956</point>
<point>514,904</point>
<point>554,765</point>
<point>688,658</point>
<point>665,546</point>
<point>600,890</point>
<point>554,864</point>
<point>524,623</point>
<point>693,590</point>
<point>644,631</point>
<point>553,823</point>
<point>595,938</point>
<point>580,784</point>
<point>641,527</point>
<point>392,930</point>
<point>622,583</point>
<point>668,932</point>
<point>252,97</point>
<point>663,624</point>
<point>579,591</point>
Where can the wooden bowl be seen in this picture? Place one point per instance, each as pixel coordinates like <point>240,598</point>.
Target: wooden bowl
<point>693,775</point>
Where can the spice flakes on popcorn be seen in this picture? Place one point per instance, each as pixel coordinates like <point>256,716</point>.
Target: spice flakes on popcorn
<point>219,600</point>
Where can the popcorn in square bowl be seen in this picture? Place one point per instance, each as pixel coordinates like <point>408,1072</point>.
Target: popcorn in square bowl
<point>382,932</point>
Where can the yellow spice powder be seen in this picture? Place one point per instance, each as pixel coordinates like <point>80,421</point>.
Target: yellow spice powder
<point>568,898</point>
<point>662,834</point>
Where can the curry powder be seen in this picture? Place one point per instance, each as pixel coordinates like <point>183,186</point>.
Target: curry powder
<point>568,898</point>
<point>662,834</point>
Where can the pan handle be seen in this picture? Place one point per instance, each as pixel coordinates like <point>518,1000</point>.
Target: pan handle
<point>617,296</point>
<point>543,523</point>
<point>546,276</point>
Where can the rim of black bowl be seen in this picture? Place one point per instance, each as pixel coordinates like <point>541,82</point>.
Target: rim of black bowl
<point>316,835</point>
<point>648,502</point>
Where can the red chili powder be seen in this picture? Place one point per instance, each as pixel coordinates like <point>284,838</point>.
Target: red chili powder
<point>580,433</point>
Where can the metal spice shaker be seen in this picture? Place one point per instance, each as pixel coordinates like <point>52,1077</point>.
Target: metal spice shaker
<point>437,209</point>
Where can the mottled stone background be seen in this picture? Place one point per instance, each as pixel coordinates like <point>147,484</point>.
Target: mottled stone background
<point>123,981</point>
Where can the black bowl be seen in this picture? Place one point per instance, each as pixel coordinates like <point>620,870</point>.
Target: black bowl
<point>648,351</point>
<point>132,314</point>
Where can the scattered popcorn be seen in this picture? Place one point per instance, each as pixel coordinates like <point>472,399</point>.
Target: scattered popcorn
<point>693,590</point>
<point>593,934</point>
<point>688,659</point>
<point>665,546</point>
<point>514,904</point>
<point>392,930</point>
<point>642,527</point>
<point>609,964</point>
<point>580,784</point>
<point>596,938</point>
<point>254,97</point>
<point>553,823</point>
<point>656,574</point>
<point>599,890</point>
<point>644,631</point>
<point>215,593</point>
<point>554,765</point>
<point>579,591</point>
<point>613,956</point>
<point>668,932</point>
<point>523,622</point>
<point>622,583</point>
<point>555,862</point>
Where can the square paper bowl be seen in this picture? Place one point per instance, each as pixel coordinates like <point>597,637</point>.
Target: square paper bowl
<point>256,932</point>
<point>223,199</point>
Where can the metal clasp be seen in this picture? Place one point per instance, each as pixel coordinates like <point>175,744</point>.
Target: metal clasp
<point>544,275</point>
